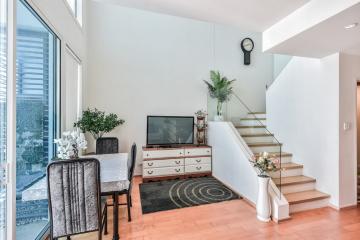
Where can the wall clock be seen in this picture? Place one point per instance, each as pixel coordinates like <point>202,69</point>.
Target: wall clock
<point>247,45</point>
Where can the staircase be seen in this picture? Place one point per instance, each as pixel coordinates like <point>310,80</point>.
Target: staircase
<point>299,190</point>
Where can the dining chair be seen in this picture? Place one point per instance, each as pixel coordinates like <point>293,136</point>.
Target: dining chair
<point>127,187</point>
<point>75,205</point>
<point>107,145</point>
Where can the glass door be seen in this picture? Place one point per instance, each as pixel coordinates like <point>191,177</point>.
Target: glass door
<point>3,115</point>
<point>37,51</point>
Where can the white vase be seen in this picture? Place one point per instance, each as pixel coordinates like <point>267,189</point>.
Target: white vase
<point>218,118</point>
<point>263,207</point>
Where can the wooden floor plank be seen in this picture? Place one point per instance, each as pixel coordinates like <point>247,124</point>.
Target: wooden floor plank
<point>232,220</point>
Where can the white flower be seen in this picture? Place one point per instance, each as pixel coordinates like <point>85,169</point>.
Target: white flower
<point>69,144</point>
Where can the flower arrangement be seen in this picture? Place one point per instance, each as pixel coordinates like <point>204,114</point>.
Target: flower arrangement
<point>200,114</point>
<point>265,164</point>
<point>69,144</point>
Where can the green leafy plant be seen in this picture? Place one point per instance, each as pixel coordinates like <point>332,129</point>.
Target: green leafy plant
<point>219,88</point>
<point>97,123</point>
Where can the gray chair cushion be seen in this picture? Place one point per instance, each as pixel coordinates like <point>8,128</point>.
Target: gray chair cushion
<point>74,195</point>
<point>108,187</point>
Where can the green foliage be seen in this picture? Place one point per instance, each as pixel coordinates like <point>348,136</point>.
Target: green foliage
<point>97,123</point>
<point>265,163</point>
<point>220,86</point>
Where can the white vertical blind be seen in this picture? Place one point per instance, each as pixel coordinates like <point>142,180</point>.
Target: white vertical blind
<point>73,89</point>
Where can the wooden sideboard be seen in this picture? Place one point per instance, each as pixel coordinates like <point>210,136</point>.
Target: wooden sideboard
<point>177,162</point>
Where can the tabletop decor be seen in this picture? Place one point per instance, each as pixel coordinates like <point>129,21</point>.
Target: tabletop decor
<point>221,89</point>
<point>69,145</point>
<point>201,126</point>
<point>264,164</point>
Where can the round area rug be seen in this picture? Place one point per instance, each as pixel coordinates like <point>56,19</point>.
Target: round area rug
<point>172,194</point>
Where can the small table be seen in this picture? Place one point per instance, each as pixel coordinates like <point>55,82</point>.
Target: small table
<point>114,178</point>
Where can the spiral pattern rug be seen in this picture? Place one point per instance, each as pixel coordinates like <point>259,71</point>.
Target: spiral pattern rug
<point>172,194</point>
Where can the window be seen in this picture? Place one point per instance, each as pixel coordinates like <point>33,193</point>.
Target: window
<point>37,70</point>
<point>76,8</point>
<point>3,115</point>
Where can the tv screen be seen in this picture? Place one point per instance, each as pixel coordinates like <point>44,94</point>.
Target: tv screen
<point>165,130</point>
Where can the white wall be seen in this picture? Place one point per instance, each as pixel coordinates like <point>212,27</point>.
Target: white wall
<point>303,112</point>
<point>349,75</point>
<point>142,63</point>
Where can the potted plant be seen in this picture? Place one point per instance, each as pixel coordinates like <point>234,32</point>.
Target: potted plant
<point>264,164</point>
<point>97,123</point>
<point>69,145</point>
<point>220,88</point>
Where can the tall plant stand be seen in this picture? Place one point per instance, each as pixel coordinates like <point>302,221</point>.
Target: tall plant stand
<point>201,127</point>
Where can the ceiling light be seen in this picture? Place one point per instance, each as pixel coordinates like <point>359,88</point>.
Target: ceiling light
<point>350,26</point>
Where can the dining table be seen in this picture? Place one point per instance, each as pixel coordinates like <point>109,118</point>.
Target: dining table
<point>114,179</point>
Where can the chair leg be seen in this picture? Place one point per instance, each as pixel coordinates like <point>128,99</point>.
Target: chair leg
<point>128,201</point>
<point>68,238</point>
<point>106,227</point>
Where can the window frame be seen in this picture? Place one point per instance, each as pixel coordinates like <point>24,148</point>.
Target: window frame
<point>57,65</point>
<point>77,12</point>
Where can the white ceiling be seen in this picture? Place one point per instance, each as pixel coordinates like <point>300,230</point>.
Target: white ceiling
<point>326,38</point>
<point>254,15</point>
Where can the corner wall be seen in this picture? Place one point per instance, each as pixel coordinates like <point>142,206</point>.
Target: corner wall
<point>349,75</point>
<point>303,112</point>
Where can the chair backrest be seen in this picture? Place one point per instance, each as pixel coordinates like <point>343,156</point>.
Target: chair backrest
<point>74,196</point>
<point>131,163</point>
<point>107,145</point>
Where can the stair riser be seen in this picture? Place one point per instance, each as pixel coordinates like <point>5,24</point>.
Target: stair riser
<point>253,122</point>
<point>308,205</point>
<point>268,139</point>
<point>265,149</point>
<point>286,159</point>
<point>298,187</point>
<point>287,173</point>
<point>251,130</point>
<point>258,115</point>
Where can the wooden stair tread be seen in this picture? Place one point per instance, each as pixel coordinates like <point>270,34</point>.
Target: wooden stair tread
<point>277,154</point>
<point>255,126</point>
<point>263,144</point>
<point>306,196</point>
<point>290,165</point>
<point>287,181</point>
<point>258,135</point>
<point>251,118</point>
<point>256,112</point>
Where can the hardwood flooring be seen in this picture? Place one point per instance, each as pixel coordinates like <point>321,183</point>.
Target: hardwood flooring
<point>231,220</point>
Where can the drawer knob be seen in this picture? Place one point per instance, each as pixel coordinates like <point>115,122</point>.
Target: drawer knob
<point>147,154</point>
<point>150,164</point>
<point>177,170</point>
<point>150,172</point>
<point>198,160</point>
<point>198,168</point>
<point>177,162</point>
<point>188,152</point>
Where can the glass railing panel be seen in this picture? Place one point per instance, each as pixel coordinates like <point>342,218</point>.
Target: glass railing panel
<point>251,125</point>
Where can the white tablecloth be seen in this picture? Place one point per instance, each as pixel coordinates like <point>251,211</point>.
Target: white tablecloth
<point>113,167</point>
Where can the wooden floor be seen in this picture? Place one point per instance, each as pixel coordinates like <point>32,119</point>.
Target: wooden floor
<point>232,220</point>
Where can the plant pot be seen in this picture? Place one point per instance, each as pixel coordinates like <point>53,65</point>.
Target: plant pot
<point>263,207</point>
<point>218,118</point>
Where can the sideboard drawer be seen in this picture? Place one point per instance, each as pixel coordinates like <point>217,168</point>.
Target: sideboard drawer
<point>163,153</point>
<point>163,163</point>
<point>197,168</point>
<point>165,171</point>
<point>197,151</point>
<point>197,160</point>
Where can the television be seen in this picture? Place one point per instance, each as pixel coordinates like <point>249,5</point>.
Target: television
<point>169,130</point>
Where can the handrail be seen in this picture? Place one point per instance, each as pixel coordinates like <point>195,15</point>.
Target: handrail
<point>273,136</point>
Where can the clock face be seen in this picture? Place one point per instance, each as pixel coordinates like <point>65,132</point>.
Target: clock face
<point>248,44</point>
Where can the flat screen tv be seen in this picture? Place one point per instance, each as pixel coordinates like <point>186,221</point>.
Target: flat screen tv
<point>169,130</point>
